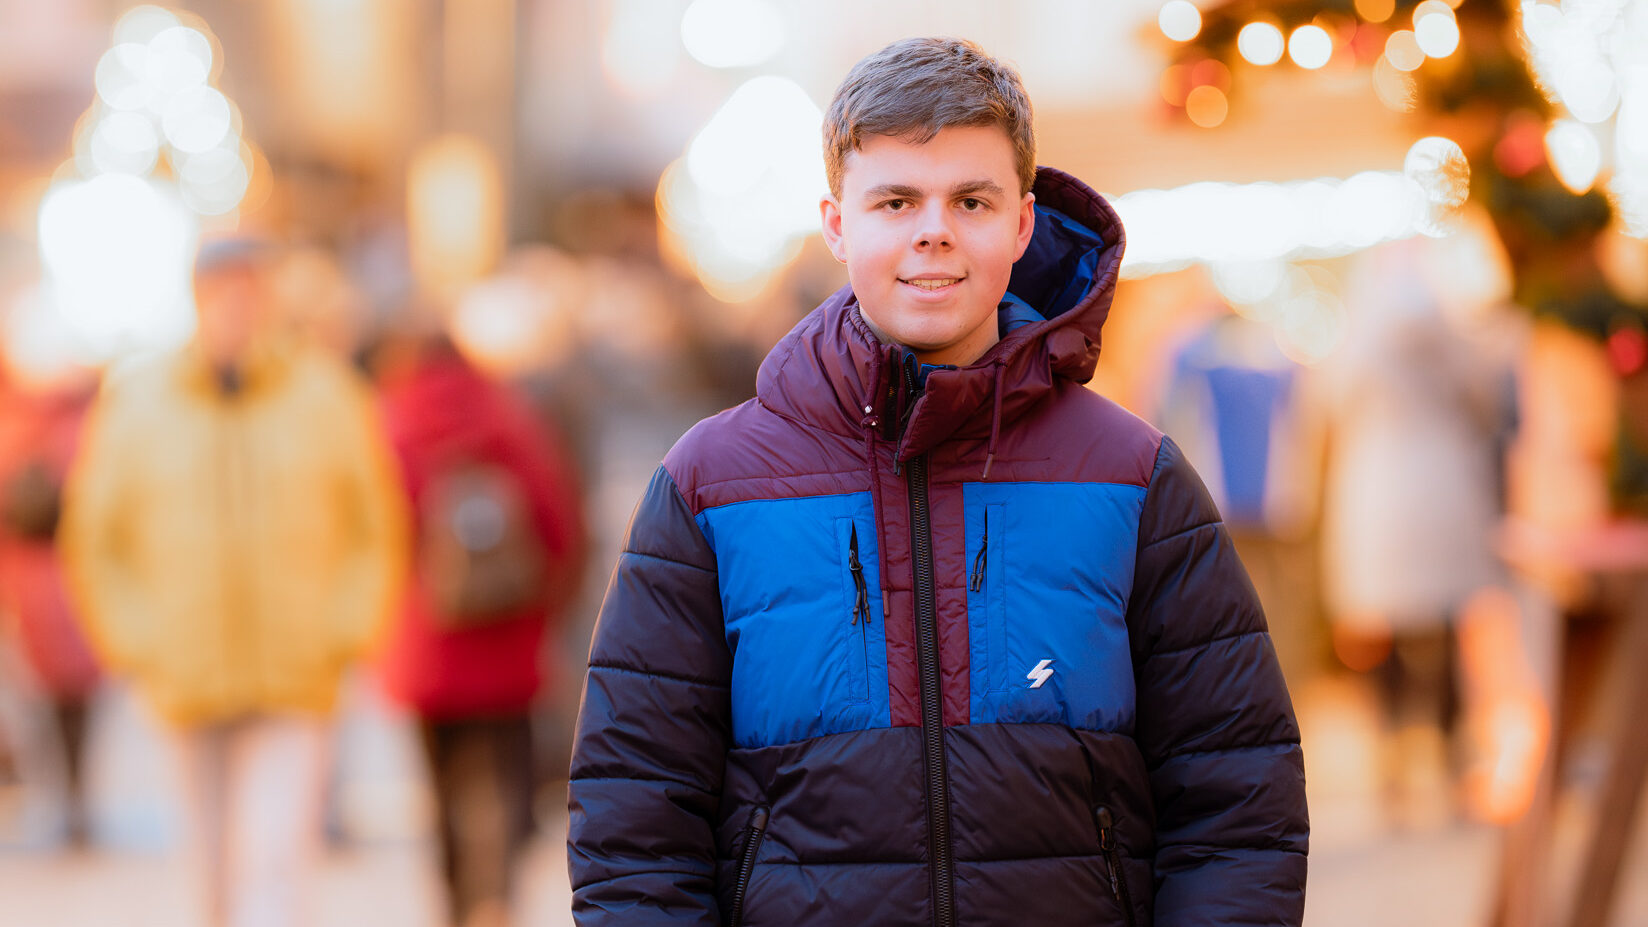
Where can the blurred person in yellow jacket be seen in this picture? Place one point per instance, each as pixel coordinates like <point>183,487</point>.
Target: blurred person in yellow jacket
<point>235,532</point>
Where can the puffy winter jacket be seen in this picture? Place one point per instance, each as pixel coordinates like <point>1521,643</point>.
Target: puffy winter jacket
<point>233,554</point>
<point>976,651</point>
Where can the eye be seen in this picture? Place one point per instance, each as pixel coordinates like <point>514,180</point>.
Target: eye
<point>895,205</point>
<point>972,203</point>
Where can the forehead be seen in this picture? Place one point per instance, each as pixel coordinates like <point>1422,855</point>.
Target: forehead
<point>956,155</point>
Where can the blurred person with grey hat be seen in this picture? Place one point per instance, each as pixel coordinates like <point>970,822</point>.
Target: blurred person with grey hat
<point>234,532</point>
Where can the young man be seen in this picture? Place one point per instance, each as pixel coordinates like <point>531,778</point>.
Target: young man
<point>928,633</point>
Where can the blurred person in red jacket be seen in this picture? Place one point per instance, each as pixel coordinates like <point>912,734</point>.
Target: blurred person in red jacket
<point>498,544</point>
<point>39,429</point>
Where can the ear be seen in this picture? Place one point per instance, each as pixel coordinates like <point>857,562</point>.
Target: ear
<point>829,212</point>
<point>1027,223</point>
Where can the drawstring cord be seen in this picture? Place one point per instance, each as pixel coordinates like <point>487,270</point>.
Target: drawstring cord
<point>995,425</point>
<point>871,423</point>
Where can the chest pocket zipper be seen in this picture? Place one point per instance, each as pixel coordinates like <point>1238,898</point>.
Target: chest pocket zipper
<point>861,605</point>
<point>746,864</point>
<point>977,582</point>
<point>855,590</point>
<point>1112,859</point>
<point>987,585</point>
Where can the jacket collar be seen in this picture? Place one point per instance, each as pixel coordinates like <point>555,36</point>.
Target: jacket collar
<point>265,365</point>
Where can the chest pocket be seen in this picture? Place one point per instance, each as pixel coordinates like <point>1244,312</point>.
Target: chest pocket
<point>801,596</point>
<point>1050,567</point>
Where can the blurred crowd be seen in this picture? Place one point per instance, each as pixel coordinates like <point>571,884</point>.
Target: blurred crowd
<point>330,487</point>
<point>321,490</point>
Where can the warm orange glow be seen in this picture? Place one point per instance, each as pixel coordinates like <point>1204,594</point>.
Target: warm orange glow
<point>1396,89</point>
<point>454,211</point>
<point>1403,51</point>
<point>1211,71</point>
<point>1206,106</point>
<point>1512,722</point>
<point>1375,11</point>
<point>1175,84</point>
<point>1361,651</point>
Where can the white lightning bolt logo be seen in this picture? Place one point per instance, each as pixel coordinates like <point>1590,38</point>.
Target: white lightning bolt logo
<point>1039,675</point>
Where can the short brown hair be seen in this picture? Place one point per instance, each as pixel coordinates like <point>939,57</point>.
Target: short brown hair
<point>914,88</point>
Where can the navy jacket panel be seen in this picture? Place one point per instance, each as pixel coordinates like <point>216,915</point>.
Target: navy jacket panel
<point>1215,725</point>
<point>652,736</point>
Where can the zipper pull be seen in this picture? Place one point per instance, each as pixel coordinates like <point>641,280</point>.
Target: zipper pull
<point>862,606</point>
<point>1106,822</point>
<point>977,582</point>
<point>1107,844</point>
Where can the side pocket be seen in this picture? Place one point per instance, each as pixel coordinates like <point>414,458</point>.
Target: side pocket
<point>856,594</point>
<point>1112,859</point>
<point>746,863</point>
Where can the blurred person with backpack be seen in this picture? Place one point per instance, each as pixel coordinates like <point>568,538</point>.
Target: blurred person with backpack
<point>39,429</point>
<point>498,541</point>
<point>235,531</point>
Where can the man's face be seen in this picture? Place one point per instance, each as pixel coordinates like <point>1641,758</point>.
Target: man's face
<point>230,303</point>
<point>929,234</point>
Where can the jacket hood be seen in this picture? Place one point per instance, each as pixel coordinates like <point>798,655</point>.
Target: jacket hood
<point>831,372</point>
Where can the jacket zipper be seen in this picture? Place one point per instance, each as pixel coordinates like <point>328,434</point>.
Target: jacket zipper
<point>977,582</point>
<point>746,863</point>
<point>862,605</point>
<point>1107,844</point>
<point>932,711</point>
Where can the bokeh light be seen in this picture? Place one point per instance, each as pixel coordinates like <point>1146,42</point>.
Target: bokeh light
<point>1435,30</point>
<point>1207,106</point>
<point>1261,43</point>
<point>1216,223</point>
<point>179,57</point>
<point>1575,154</point>
<point>1403,52</point>
<point>738,204</point>
<point>731,33</point>
<point>1179,20</point>
<point>142,23</point>
<point>1438,167</point>
<point>116,252</point>
<point>1396,89</point>
<point>196,119</point>
<point>1310,47</point>
<point>454,212</point>
<point>1375,11</point>
<point>215,181</point>
<point>121,76</point>
<point>124,143</point>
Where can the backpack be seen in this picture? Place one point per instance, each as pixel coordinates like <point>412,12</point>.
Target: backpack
<point>31,502</point>
<point>479,552</point>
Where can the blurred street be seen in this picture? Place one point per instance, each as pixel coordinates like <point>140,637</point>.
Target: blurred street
<point>1364,871</point>
<point>338,342</point>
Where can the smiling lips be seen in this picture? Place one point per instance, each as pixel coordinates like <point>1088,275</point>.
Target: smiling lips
<point>931,283</point>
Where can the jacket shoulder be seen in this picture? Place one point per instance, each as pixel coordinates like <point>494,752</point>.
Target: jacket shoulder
<point>751,452</point>
<point>1079,435</point>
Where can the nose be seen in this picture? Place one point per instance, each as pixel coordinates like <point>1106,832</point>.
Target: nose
<point>933,232</point>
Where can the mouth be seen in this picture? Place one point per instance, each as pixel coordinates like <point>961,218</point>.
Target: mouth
<point>931,284</point>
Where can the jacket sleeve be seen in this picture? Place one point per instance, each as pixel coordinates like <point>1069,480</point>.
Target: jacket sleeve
<point>653,730</point>
<point>373,513</point>
<point>99,509</point>
<point>1215,724</point>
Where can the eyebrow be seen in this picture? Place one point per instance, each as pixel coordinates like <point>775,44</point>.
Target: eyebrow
<point>965,188</point>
